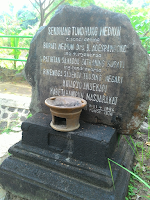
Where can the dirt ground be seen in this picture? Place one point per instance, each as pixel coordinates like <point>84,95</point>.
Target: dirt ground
<point>21,88</point>
<point>141,167</point>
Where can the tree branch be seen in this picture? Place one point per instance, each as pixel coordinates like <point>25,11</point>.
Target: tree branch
<point>37,2</point>
<point>49,5</point>
<point>34,6</point>
<point>53,9</point>
<point>43,2</point>
<point>145,34</point>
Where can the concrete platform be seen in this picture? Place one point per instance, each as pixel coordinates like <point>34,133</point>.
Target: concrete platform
<point>14,105</point>
<point>6,141</point>
<point>48,164</point>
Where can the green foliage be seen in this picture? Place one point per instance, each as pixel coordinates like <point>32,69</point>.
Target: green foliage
<point>81,3</point>
<point>141,169</point>
<point>15,52</point>
<point>6,130</point>
<point>141,23</point>
<point>29,115</point>
<point>149,124</point>
<point>13,25</point>
<point>133,173</point>
<point>19,24</point>
<point>46,9</point>
<point>132,190</point>
<point>111,173</point>
<point>139,17</point>
<point>27,18</point>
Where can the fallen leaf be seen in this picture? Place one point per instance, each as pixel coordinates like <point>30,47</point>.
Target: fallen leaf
<point>143,169</point>
<point>138,197</point>
<point>147,143</point>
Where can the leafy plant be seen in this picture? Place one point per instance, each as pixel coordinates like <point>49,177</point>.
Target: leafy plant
<point>131,188</point>
<point>15,24</point>
<point>10,26</point>
<point>141,170</point>
<point>29,115</point>
<point>148,124</point>
<point>139,17</point>
<point>6,130</point>
<point>133,174</point>
<point>15,52</point>
<point>46,8</point>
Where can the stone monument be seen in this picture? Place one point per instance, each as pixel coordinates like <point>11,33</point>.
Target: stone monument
<point>94,54</point>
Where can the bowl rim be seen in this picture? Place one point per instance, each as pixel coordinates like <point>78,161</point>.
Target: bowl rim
<point>83,103</point>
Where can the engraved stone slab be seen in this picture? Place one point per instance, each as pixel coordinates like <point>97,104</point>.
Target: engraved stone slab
<point>95,54</point>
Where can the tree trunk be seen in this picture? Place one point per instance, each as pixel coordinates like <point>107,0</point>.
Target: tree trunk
<point>41,15</point>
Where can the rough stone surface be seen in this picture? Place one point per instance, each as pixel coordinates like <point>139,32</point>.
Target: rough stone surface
<point>144,127</point>
<point>5,115</point>
<point>26,111</point>
<point>94,54</point>
<point>2,194</point>
<point>55,172</point>
<point>13,109</point>
<point>10,196</point>
<point>56,178</point>
<point>3,107</point>
<point>90,143</point>
<point>23,118</point>
<point>20,109</point>
<point>6,141</point>
<point>14,101</point>
<point>10,75</point>
<point>14,116</point>
<point>3,124</point>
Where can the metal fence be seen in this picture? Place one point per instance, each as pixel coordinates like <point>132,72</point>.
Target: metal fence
<point>20,48</point>
<point>29,36</point>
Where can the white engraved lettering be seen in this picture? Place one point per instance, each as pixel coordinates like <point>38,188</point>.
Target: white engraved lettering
<point>72,61</point>
<point>51,72</point>
<point>101,98</point>
<point>110,31</point>
<point>65,46</point>
<point>47,45</point>
<point>95,87</point>
<point>52,59</point>
<point>59,30</point>
<point>85,31</point>
<point>114,79</point>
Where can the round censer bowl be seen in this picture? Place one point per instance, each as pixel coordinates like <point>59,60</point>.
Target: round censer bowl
<point>65,112</point>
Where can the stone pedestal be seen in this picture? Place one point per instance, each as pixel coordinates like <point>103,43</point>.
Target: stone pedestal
<point>53,165</point>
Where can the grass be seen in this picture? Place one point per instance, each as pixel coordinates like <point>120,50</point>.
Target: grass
<point>132,173</point>
<point>29,115</point>
<point>7,130</point>
<point>139,185</point>
<point>10,126</point>
<point>141,167</point>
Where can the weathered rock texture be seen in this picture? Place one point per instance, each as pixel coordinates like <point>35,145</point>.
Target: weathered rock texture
<point>53,165</point>
<point>94,54</point>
